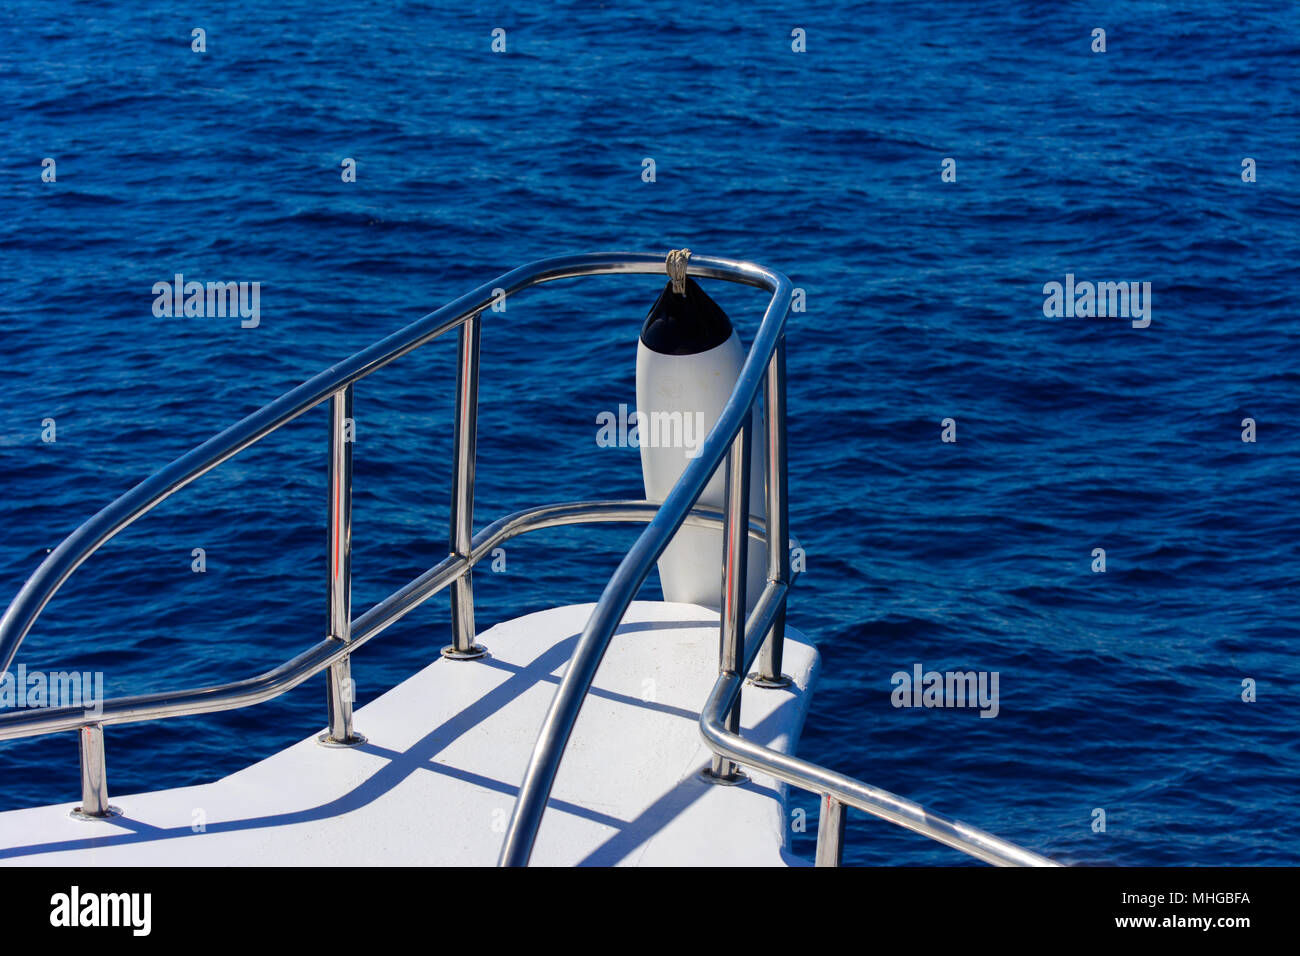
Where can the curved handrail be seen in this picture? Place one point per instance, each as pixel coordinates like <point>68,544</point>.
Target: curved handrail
<point>632,571</point>
<point>878,802</point>
<point>86,539</point>
<point>838,787</point>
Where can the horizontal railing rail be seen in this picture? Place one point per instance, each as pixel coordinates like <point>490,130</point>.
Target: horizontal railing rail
<point>730,438</point>
<point>255,690</point>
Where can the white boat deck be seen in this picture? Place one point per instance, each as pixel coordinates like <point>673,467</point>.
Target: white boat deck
<point>436,781</point>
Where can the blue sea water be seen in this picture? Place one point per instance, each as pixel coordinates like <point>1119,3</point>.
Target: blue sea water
<point>1119,690</point>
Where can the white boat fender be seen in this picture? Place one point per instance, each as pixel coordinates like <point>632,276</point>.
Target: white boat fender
<point>687,362</point>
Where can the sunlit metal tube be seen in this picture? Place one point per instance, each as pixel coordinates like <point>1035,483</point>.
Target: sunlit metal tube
<point>881,803</point>
<point>94,773</point>
<point>255,690</point>
<point>830,833</point>
<point>339,698</point>
<point>808,776</point>
<point>339,693</point>
<point>461,532</point>
<point>339,533</point>
<point>778,545</point>
<point>760,621</point>
<point>199,700</point>
<point>735,563</point>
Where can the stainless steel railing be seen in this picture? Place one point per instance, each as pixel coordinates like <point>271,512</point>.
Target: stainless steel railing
<point>720,719</point>
<point>730,437</point>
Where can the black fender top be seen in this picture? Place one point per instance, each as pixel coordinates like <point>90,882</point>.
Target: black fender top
<point>685,324</point>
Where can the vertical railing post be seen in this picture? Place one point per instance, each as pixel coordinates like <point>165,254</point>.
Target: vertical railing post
<point>735,565</point>
<point>463,647</point>
<point>94,776</point>
<point>339,542</point>
<point>830,833</point>
<point>769,673</point>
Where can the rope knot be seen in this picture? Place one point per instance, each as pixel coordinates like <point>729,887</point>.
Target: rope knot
<point>676,266</point>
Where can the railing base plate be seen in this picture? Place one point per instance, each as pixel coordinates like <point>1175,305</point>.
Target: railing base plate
<point>92,817</point>
<point>768,683</point>
<point>733,780</point>
<point>474,653</point>
<point>356,740</point>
